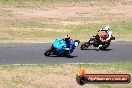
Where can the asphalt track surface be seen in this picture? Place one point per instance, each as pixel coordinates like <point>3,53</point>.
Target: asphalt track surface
<point>33,54</point>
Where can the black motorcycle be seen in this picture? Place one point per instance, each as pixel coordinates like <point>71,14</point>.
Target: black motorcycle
<point>95,41</point>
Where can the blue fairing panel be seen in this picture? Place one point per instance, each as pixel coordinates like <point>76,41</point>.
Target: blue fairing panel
<point>59,43</point>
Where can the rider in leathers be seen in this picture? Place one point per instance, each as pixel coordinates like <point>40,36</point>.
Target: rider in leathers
<point>67,40</point>
<point>108,32</point>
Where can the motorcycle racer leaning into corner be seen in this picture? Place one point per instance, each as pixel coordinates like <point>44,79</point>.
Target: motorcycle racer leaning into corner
<point>67,40</point>
<point>108,35</point>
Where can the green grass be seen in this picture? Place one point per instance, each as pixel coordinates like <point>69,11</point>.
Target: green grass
<point>121,31</point>
<point>105,86</point>
<point>120,66</point>
<point>35,30</point>
<point>15,27</point>
<point>114,86</point>
<point>117,66</point>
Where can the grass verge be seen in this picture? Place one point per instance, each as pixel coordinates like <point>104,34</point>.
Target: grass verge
<point>46,22</point>
<point>48,32</point>
<point>55,75</point>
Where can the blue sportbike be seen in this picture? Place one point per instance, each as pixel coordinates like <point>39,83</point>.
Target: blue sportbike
<point>61,48</point>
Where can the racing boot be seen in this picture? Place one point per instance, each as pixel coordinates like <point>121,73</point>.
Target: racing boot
<point>97,49</point>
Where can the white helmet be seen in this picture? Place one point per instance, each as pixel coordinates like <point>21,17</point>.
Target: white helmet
<point>107,28</point>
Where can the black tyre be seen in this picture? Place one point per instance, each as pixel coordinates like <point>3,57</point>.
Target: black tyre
<point>65,54</point>
<point>85,46</point>
<point>81,80</point>
<point>47,52</point>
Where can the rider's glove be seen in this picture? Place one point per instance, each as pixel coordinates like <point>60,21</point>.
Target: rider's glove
<point>67,48</point>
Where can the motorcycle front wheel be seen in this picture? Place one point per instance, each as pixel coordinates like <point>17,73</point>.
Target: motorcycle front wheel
<point>47,52</point>
<point>85,46</point>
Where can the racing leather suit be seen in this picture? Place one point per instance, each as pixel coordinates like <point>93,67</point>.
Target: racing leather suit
<point>108,34</point>
<point>108,37</point>
<point>67,42</point>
